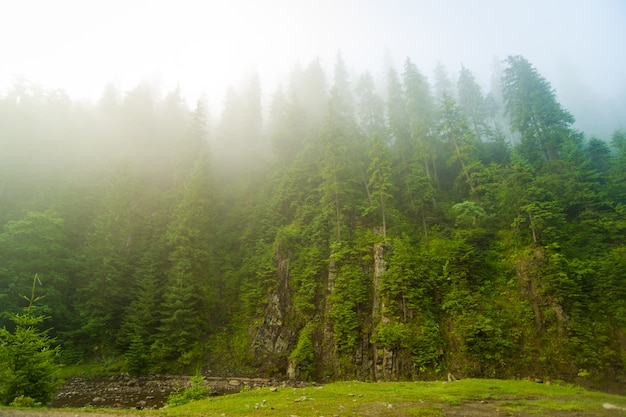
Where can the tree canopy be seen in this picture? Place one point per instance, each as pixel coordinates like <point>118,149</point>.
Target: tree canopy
<point>359,228</point>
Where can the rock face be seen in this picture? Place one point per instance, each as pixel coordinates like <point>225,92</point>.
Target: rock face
<point>146,392</point>
<point>274,338</point>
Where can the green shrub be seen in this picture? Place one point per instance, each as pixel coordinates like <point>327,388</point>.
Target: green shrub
<point>303,356</point>
<point>197,391</point>
<point>391,336</point>
<point>23,401</point>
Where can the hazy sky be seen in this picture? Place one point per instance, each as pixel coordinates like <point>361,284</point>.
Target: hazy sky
<point>80,45</point>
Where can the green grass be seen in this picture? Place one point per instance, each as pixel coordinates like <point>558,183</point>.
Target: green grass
<point>401,399</point>
<point>89,370</point>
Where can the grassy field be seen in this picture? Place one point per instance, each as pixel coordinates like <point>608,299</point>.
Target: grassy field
<point>469,397</point>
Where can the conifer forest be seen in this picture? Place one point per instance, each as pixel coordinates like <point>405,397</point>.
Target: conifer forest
<point>344,226</point>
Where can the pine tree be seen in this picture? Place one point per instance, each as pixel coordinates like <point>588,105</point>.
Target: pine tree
<point>141,317</point>
<point>420,110</point>
<point>472,102</point>
<point>370,107</point>
<point>454,129</point>
<point>36,244</point>
<point>379,184</point>
<point>443,84</point>
<point>337,140</point>
<point>136,357</point>
<point>412,179</point>
<point>535,112</point>
<point>188,294</point>
<point>105,287</point>
<point>28,358</point>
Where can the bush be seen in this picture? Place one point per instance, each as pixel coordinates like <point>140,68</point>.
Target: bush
<point>197,391</point>
<point>391,336</point>
<point>23,401</point>
<point>303,356</point>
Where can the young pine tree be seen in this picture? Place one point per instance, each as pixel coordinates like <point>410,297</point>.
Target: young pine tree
<point>28,364</point>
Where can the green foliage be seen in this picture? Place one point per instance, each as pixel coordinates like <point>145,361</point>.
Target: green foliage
<point>408,283</point>
<point>391,336</point>
<point>534,111</point>
<point>453,127</point>
<point>141,320</point>
<point>486,342</point>
<point>303,356</point>
<point>468,213</point>
<point>426,346</point>
<point>186,294</point>
<point>379,182</point>
<point>450,228</point>
<point>28,360</point>
<point>36,244</point>
<point>180,330</point>
<point>350,294</point>
<point>137,357</point>
<point>197,391</point>
<point>306,271</point>
<point>24,402</point>
<point>112,248</point>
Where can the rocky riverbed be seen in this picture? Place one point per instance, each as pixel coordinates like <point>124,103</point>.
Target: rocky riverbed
<point>145,392</point>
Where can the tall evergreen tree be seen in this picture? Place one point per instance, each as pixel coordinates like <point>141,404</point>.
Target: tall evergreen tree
<point>36,244</point>
<point>472,102</point>
<point>379,183</point>
<point>370,107</point>
<point>188,298</point>
<point>416,188</point>
<point>454,129</point>
<point>443,86</point>
<point>105,287</point>
<point>337,140</point>
<point>535,112</point>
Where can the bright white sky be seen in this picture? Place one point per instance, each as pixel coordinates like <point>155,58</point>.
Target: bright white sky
<point>80,45</point>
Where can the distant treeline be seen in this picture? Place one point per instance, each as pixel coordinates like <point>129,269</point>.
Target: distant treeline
<point>373,230</point>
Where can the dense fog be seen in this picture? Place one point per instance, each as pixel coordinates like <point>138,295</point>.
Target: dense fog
<point>207,47</point>
<point>235,200</point>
